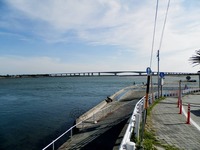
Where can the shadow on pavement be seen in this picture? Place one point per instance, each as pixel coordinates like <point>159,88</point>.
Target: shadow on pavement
<point>196,112</point>
<point>106,141</point>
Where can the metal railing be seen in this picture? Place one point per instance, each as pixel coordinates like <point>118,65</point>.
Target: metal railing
<point>129,130</point>
<point>83,123</point>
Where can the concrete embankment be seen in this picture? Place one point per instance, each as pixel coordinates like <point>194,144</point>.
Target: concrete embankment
<point>91,112</point>
<point>126,94</point>
<point>106,131</point>
<point>129,93</point>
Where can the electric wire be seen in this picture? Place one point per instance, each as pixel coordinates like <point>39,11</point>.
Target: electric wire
<point>154,32</point>
<point>162,34</point>
<point>161,39</point>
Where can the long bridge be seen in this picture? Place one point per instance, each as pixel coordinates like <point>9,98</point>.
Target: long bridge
<point>99,73</point>
<point>119,73</point>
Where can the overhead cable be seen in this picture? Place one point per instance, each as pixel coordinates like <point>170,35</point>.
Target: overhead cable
<point>161,38</point>
<point>154,32</point>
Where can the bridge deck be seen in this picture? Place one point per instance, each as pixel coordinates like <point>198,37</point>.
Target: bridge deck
<point>117,73</point>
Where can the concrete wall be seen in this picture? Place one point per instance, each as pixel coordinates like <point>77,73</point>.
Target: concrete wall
<point>128,93</point>
<point>91,112</point>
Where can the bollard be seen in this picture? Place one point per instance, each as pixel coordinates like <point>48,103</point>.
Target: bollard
<point>188,116</point>
<point>178,102</point>
<point>180,105</point>
<point>179,99</point>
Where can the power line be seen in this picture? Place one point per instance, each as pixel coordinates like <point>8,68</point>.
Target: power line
<point>158,54</point>
<point>161,38</point>
<point>154,32</point>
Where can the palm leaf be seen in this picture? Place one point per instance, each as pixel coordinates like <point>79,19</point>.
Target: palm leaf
<point>195,59</point>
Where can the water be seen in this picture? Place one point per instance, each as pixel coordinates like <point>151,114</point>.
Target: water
<point>34,111</point>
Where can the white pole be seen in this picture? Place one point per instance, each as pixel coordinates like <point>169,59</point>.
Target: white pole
<point>137,126</point>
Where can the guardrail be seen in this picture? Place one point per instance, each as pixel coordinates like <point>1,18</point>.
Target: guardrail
<point>82,123</point>
<point>53,142</point>
<point>127,136</point>
<point>135,119</point>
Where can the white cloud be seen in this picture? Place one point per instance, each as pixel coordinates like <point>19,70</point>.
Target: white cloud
<point>127,24</point>
<point>113,20</point>
<point>29,65</point>
<point>37,65</point>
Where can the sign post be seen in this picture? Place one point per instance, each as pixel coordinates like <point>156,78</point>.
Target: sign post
<point>148,71</point>
<point>162,75</point>
<point>144,114</point>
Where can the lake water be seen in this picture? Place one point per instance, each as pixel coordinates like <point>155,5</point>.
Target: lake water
<point>34,111</point>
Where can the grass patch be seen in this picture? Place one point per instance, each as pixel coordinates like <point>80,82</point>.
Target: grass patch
<point>153,105</point>
<point>149,137</point>
<point>149,140</point>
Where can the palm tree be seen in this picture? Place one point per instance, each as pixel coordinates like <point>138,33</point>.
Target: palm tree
<point>195,59</point>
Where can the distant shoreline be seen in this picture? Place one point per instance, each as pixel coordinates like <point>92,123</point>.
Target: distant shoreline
<point>25,76</point>
<point>49,75</point>
<point>60,75</point>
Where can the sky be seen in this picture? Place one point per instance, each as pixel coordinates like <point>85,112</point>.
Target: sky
<point>63,36</point>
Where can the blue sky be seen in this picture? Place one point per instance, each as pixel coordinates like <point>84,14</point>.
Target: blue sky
<point>57,36</point>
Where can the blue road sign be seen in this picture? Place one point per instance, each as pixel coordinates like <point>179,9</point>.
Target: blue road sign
<point>148,70</point>
<point>162,74</point>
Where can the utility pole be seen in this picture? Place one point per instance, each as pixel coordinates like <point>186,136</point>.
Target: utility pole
<point>158,55</point>
<point>199,78</point>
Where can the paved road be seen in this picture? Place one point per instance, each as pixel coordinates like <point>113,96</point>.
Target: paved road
<point>171,127</point>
